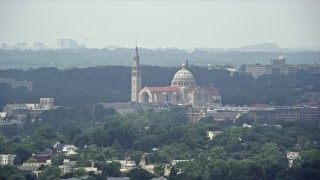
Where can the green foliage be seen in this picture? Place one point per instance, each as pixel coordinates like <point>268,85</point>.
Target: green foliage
<point>12,172</point>
<point>139,174</point>
<point>88,86</point>
<point>50,173</point>
<point>238,153</point>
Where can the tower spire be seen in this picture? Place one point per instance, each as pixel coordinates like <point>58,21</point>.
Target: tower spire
<point>135,77</point>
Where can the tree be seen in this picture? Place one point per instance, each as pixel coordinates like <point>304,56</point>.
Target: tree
<point>57,159</point>
<point>111,169</point>
<point>139,174</point>
<point>272,160</point>
<point>50,173</point>
<point>23,153</point>
<point>136,156</point>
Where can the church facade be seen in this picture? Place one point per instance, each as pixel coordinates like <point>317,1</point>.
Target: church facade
<point>182,91</point>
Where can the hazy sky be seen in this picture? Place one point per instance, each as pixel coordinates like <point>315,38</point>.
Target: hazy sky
<point>180,23</point>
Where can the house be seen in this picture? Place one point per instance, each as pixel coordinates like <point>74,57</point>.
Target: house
<point>67,166</point>
<point>212,134</point>
<point>69,149</point>
<point>291,156</point>
<point>38,160</point>
<point>91,169</point>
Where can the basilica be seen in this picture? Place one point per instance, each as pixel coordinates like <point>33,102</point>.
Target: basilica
<point>183,89</point>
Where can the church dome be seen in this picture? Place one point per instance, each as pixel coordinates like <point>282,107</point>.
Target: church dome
<point>183,78</point>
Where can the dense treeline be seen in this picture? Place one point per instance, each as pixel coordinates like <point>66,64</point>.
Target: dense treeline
<point>76,87</point>
<point>123,56</point>
<point>238,153</point>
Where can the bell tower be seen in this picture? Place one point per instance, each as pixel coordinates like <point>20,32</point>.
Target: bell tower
<point>135,77</point>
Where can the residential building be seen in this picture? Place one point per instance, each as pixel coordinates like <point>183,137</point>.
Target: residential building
<point>67,166</point>
<point>7,159</point>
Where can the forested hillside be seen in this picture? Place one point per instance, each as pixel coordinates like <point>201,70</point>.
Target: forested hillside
<point>79,86</point>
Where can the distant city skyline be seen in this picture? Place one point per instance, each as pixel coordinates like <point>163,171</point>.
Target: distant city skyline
<point>181,24</point>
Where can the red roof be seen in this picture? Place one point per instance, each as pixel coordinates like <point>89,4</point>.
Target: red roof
<point>41,158</point>
<point>311,104</point>
<point>210,89</point>
<point>163,89</point>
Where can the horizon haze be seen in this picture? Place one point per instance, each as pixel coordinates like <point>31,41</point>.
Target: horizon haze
<point>181,24</point>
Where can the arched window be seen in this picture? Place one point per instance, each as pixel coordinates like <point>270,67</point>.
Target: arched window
<point>199,96</point>
<point>168,97</point>
<point>177,97</point>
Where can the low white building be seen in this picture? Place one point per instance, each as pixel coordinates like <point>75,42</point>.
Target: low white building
<point>291,156</point>
<point>69,149</point>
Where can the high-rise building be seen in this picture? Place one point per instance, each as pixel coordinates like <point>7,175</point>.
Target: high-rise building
<point>68,44</point>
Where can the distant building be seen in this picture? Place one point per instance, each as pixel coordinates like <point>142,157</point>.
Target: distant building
<point>39,46</point>
<point>216,114</point>
<point>32,109</point>
<point>286,113</point>
<point>20,45</point>
<point>279,66</point>
<point>195,114</point>
<point>7,159</point>
<point>68,44</point>
<point>183,89</point>
<point>15,84</point>
<point>133,107</point>
<point>47,103</point>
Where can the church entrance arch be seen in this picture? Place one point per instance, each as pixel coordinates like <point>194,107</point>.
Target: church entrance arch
<point>145,97</point>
